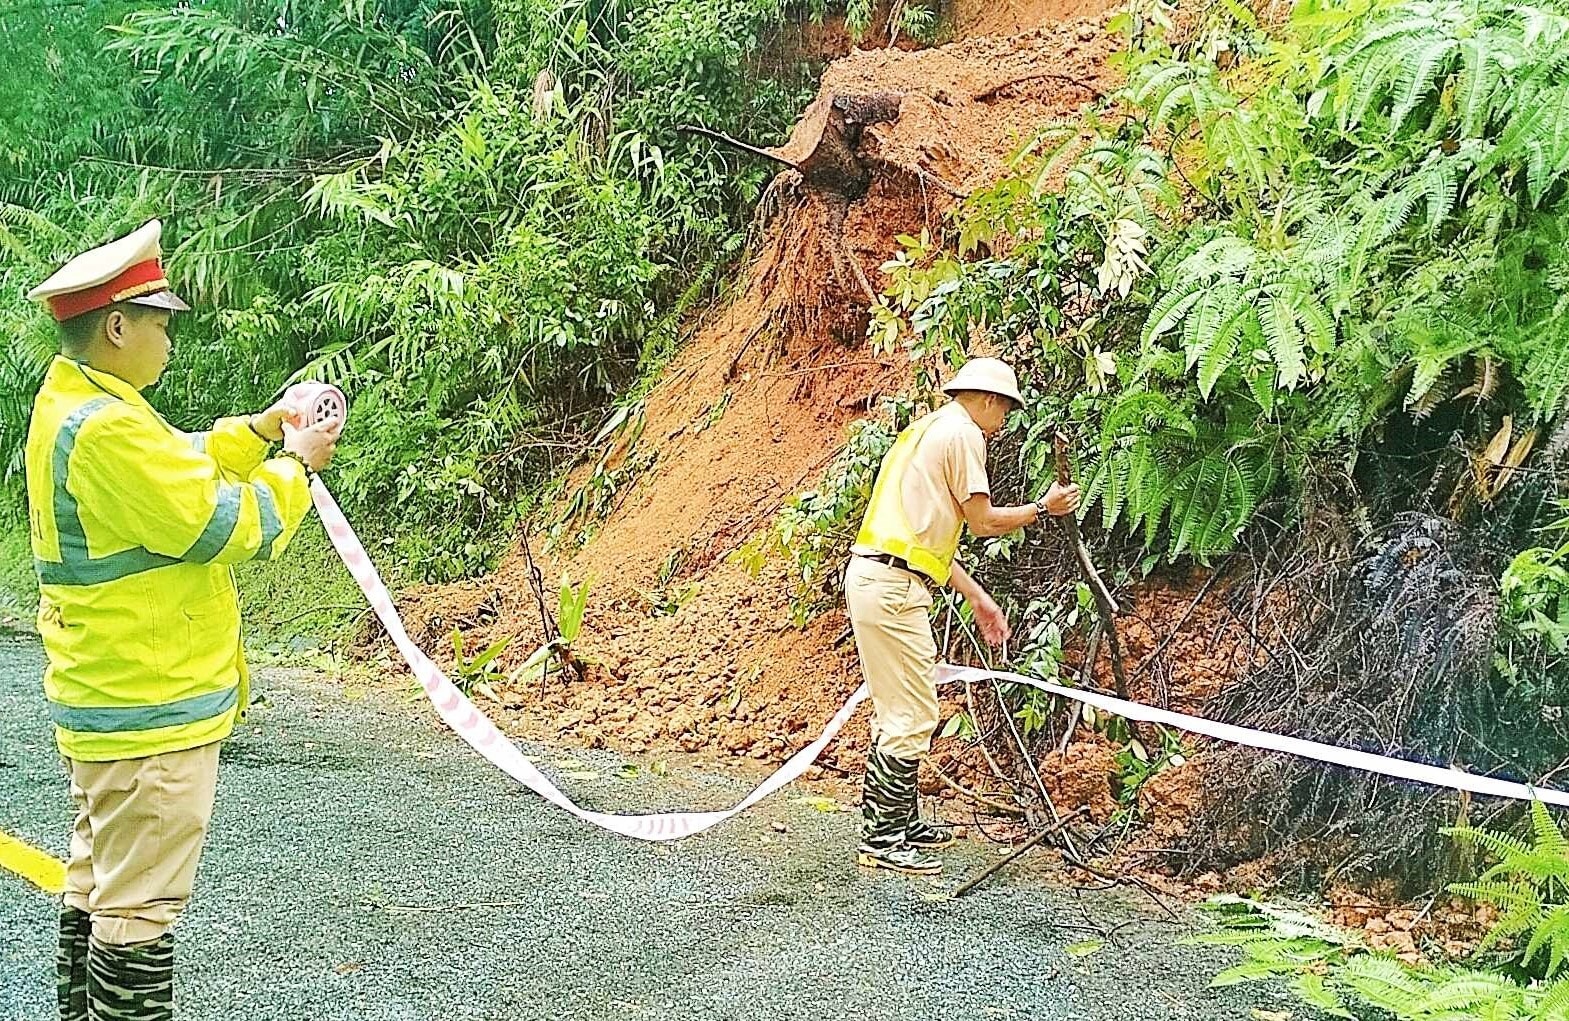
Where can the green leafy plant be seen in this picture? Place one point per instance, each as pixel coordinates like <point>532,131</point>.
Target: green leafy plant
<point>1333,971</point>
<point>1529,884</point>
<point>476,673</point>
<point>1136,765</point>
<point>571,604</point>
<point>959,725</point>
<point>1535,591</point>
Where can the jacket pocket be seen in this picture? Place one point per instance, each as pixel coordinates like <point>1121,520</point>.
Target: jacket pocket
<point>208,629</point>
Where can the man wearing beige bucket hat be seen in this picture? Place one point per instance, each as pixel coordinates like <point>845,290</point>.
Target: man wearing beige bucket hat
<point>931,484</point>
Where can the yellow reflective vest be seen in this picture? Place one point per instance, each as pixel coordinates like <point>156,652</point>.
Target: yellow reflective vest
<point>134,526</point>
<point>885,526</point>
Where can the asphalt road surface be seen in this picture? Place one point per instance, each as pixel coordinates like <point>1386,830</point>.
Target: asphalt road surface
<point>364,864</point>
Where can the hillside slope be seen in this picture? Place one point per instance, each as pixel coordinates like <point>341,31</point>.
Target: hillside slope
<point>747,417</point>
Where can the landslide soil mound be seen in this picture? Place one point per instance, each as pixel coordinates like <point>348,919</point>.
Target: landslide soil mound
<point>683,648</point>
<point>972,18</point>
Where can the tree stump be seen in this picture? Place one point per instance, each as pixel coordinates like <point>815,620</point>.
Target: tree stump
<point>824,173</point>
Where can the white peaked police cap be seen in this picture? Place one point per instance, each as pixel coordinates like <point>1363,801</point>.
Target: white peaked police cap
<point>128,269</point>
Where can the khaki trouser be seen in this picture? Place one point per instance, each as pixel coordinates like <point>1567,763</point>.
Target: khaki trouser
<point>889,613</point>
<point>139,829</point>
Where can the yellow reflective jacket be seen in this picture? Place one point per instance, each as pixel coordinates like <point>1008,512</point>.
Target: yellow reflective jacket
<point>885,526</point>
<point>134,526</point>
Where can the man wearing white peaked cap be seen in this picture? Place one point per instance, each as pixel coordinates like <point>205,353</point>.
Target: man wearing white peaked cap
<point>931,484</point>
<point>134,527</point>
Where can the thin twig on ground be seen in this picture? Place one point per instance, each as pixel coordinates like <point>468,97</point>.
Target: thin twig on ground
<point>1013,856</point>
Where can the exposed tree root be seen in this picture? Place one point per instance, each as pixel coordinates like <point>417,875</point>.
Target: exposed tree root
<point>810,278</point>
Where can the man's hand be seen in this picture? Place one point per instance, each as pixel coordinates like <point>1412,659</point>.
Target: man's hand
<point>988,615</point>
<point>269,424</point>
<point>315,444</point>
<point>1061,499</point>
<point>993,623</point>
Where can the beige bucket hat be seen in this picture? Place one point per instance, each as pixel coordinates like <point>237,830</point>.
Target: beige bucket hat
<point>987,375</point>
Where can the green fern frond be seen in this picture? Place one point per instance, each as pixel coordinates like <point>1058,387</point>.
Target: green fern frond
<point>1437,186</point>
<point>1537,137</point>
<point>1402,61</point>
<point>1462,992</point>
<point>1382,982</point>
<point>1203,320</point>
<point>1417,74</point>
<point>1144,412</point>
<point>1549,838</point>
<point>1544,369</point>
<point>1108,483</point>
<point>1287,340</point>
<point>1478,80</point>
<point>1550,934</point>
<point>1221,351</point>
<point>1554,1001</point>
<point>1171,308</point>
<point>1261,384</point>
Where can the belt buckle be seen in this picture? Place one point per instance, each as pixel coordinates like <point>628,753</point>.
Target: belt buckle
<point>898,564</point>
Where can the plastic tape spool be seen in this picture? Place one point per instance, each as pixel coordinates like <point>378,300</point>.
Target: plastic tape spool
<point>317,402</point>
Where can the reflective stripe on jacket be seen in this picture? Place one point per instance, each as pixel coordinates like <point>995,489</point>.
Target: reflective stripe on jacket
<point>887,528</point>
<point>134,526</point>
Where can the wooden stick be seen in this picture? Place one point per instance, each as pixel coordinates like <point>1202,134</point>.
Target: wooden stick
<point>1011,811</point>
<point>996,866</point>
<point>1070,524</point>
<point>735,143</point>
<point>1104,601</point>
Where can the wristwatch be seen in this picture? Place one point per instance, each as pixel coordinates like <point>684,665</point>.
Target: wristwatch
<point>1040,509</point>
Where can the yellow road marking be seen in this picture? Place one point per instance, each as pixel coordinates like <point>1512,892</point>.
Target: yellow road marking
<point>40,868</point>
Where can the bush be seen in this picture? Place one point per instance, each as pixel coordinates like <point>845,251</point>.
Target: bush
<point>477,218</point>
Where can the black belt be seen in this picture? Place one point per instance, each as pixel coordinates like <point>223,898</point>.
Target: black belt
<point>893,561</point>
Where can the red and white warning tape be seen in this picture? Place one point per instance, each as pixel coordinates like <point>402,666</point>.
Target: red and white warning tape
<point>475,727</point>
<point>1400,769</point>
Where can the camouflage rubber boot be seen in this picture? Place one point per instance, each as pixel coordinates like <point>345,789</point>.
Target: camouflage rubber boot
<point>70,963</point>
<point>131,983</point>
<point>928,835</point>
<point>919,832</point>
<point>886,802</point>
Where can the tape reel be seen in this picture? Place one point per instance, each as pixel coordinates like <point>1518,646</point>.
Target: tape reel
<point>317,402</point>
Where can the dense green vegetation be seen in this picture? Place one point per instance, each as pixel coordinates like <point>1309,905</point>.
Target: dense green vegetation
<point>476,216</point>
<point>1265,265</point>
